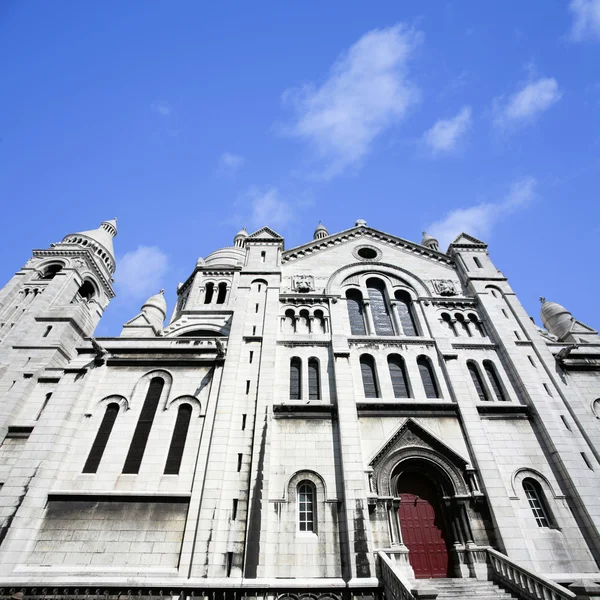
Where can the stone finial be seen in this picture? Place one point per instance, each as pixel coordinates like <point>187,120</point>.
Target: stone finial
<point>360,223</point>
<point>542,299</point>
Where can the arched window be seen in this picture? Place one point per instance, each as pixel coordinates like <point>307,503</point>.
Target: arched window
<point>319,322</point>
<point>295,379</point>
<point>428,377</point>
<point>99,445</point>
<point>143,427</point>
<point>596,408</point>
<point>478,324</point>
<point>398,376</point>
<point>303,322</point>
<point>379,307</point>
<point>314,380</point>
<point>537,502</point>
<point>369,377</point>
<point>355,312</point>
<point>182,425</point>
<point>87,290</point>
<point>405,312</point>
<point>490,370</point>
<point>306,506</point>
<point>209,291</point>
<point>477,262</point>
<point>289,323</point>
<point>477,381</point>
<point>222,294</point>
<point>447,320</point>
<point>463,325</point>
<point>50,271</point>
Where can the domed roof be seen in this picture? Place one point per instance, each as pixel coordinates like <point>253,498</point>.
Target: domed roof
<point>157,301</point>
<point>556,318</point>
<point>428,239</point>
<point>320,231</point>
<point>103,236</point>
<point>241,233</point>
<point>229,256</point>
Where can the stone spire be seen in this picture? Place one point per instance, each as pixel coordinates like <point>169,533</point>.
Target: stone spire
<point>103,237</point>
<point>320,232</point>
<point>155,310</point>
<point>240,238</point>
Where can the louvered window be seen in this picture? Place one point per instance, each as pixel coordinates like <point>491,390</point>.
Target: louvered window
<point>367,367</point>
<point>180,432</point>
<point>355,312</point>
<point>306,507</point>
<point>398,375</point>
<point>537,502</point>
<point>407,320</point>
<point>143,427</point>
<point>477,381</point>
<point>379,307</point>
<point>314,380</point>
<point>93,461</point>
<point>490,369</point>
<point>427,377</point>
<point>295,379</point>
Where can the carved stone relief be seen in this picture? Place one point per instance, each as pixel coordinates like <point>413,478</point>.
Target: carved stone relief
<point>303,283</point>
<point>444,287</point>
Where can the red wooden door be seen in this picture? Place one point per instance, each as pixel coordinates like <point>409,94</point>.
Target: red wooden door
<point>422,527</point>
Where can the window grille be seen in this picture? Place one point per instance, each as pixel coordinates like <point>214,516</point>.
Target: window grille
<point>180,432</point>
<point>314,380</point>
<point>379,308</point>
<point>367,367</point>
<point>295,379</point>
<point>427,377</point>
<point>108,420</point>
<point>494,380</point>
<point>407,320</point>
<point>399,377</point>
<point>143,427</point>
<point>306,510</point>
<point>477,382</point>
<point>536,501</point>
<point>355,312</point>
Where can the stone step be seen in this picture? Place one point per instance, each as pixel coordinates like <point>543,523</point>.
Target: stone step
<point>467,589</point>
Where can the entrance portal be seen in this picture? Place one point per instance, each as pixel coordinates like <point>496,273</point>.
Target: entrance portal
<point>422,524</point>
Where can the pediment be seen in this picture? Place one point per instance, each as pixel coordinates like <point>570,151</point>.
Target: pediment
<point>464,239</point>
<point>579,327</point>
<point>266,233</point>
<point>412,434</point>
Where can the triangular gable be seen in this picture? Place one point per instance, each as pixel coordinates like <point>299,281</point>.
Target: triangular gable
<point>466,239</point>
<point>266,233</point>
<point>411,433</point>
<point>579,327</point>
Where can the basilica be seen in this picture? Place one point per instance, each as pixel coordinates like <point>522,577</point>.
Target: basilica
<point>360,416</point>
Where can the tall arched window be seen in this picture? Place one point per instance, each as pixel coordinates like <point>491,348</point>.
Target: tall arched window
<point>143,427</point>
<point>177,446</point>
<point>463,325</point>
<point>428,377</point>
<point>537,502</point>
<point>355,312</point>
<point>222,293</point>
<point>306,506</point>
<point>405,312</point>
<point>369,376</point>
<point>398,376</point>
<point>379,307</point>
<point>490,370</point>
<point>295,379</point>
<point>51,270</point>
<point>95,456</point>
<point>478,324</point>
<point>314,380</point>
<point>209,291</point>
<point>477,262</point>
<point>447,320</point>
<point>87,290</point>
<point>477,381</point>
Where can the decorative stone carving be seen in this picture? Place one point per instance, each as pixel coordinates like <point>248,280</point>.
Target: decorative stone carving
<point>444,287</point>
<point>304,283</point>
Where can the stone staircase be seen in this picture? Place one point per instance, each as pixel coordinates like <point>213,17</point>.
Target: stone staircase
<point>457,589</point>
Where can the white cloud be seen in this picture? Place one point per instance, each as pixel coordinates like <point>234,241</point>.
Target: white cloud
<point>586,20</point>
<point>230,163</point>
<point>267,207</point>
<point>528,102</point>
<point>162,108</point>
<point>140,272</point>
<point>367,91</point>
<point>445,134</point>
<point>479,220</point>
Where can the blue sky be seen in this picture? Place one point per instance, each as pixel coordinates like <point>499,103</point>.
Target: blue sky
<point>189,120</point>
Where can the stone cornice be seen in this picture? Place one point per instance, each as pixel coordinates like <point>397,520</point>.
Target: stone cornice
<point>467,346</point>
<point>374,341</point>
<point>358,232</point>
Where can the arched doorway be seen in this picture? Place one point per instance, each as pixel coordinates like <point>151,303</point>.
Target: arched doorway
<point>423,525</point>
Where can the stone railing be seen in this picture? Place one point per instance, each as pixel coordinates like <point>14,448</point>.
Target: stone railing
<point>394,585</point>
<point>525,583</point>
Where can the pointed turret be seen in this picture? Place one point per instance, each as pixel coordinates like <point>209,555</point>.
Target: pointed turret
<point>320,232</point>
<point>102,237</point>
<point>430,242</point>
<point>155,309</point>
<point>240,238</point>
<point>561,323</point>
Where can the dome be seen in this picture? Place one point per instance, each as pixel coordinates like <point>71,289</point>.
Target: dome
<point>556,318</point>
<point>230,257</point>
<point>320,232</point>
<point>157,301</point>
<point>430,242</point>
<point>240,238</point>
<point>103,236</point>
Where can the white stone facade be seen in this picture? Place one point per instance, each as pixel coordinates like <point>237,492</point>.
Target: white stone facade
<point>277,392</point>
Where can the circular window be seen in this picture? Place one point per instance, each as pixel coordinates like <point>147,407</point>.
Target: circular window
<point>367,253</point>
